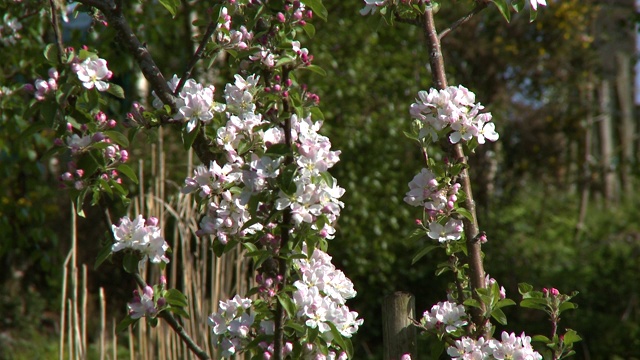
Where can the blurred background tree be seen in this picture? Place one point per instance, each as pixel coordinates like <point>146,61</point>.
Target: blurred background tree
<point>555,194</point>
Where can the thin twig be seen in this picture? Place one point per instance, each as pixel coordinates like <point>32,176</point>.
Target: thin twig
<point>479,7</point>
<point>56,29</point>
<point>196,56</point>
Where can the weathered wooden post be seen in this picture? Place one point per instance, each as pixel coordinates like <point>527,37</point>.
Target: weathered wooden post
<point>398,331</point>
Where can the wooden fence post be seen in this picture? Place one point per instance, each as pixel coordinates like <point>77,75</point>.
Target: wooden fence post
<point>398,331</point>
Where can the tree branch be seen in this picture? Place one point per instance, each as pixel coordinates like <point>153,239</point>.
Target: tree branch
<point>147,65</point>
<point>201,354</point>
<point>56,30</point>
<point>456,152</point>
<point>196,56</point>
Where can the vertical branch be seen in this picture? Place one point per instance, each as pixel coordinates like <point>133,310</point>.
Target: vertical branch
<point>56,29</point>
<point>284,235</point>
<point>472,231</point>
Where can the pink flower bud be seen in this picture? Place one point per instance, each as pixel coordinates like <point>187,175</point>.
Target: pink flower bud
<point>297,15</point>
<point>111,124</point>
<point>285,94</point>
<point>104,177</point>
<point>288,82</point>
<point>302,23</point>
<point>152,221</point>
<point>58,142</point>
<point>66,176</point>
<point>280,17</point>
<point>450,205</point>
<point>53,73</point>
<point>163,279</point>
<point>266,355</point>
<point>554,292</point>
<point>85,47</point>
<point>79,173</point>
<point>101,117</point>
<point>28,88</point>
<point>83,127</point>
<point>97,137</point>
<point>69,127</point>
<point>418,222</point>
<point>161,302</point>
<point>114,174</point>
<point>277,78</point>
<point>309,14</point>
<point>110,152</point>
<point>78,185</point>
<point>277,87</point>
<point>124,156</point>
<point>545,291</point>
<point>288,348</point>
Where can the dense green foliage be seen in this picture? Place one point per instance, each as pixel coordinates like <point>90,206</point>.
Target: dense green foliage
<point>529,76</point>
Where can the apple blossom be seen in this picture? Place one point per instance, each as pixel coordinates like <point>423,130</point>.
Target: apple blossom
<point>93,73</point>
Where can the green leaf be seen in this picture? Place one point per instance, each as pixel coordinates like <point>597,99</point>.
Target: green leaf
<point>473,303</point>
<point>189,137</point>
<point>499,316</point>
<point>571,336</point>
<point>179,311</point>
<point>504,302</point>
<point>437,348</point>
<point>424,251</point>
<point>504,9</point>
<point>341,341</point>
<point>464,212</point>
<point>118,137</point>
<point>327,178</point>
<point>317,113</point>
<point>124,324</point>
<point>318,8</point>
<point>524,288</point>
<point>540,304</point>
<point>316,69</point>
<point>104,253</point>
<point>295,326</point>
<point>171,6</point>
<point>309,29</point>
<point>128,172</point>
<point>130,263</point>
<point>51,53</point>
<point>176,298</point>
<point>284,60</point>
<point>533,14</point>
<point>517,5</point>
<point>567,306</point>
<point>116,90</point>
<point>287,304</point>
<point>541,338</point>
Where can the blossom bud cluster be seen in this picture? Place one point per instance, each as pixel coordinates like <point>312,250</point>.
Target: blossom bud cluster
<point>511,347</point>
<point>437,199</point>
<point>452,109</point>
<point>9,30</point>
<point>322,291</point>
<point>234,325</point>
<point>255,172</point>
<point>43,87</point>
<point>93,73</point>
<point>145,239</point>
<point>142,304</point>
<point>79,144</point>
<point>444,317</point>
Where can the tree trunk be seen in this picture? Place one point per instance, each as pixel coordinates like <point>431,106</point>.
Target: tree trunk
<point>627,127</point>
<point>606,145</point>
<point>398,331</point>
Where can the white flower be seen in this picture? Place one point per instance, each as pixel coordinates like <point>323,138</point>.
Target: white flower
<point>445,313</point>
<point>92,73</point>
<point>371,6</point>
<point>452,230</point>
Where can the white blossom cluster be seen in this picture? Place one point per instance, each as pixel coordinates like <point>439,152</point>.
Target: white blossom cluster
<point>233,325</point>
<point>230,187</point>
<point>321,294</point>
<point>511,347</point>
<point>447,316</point>
<point>453,109</point>
<point>146,239</point>
<point>142,304</point>
<point>9,30</point>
